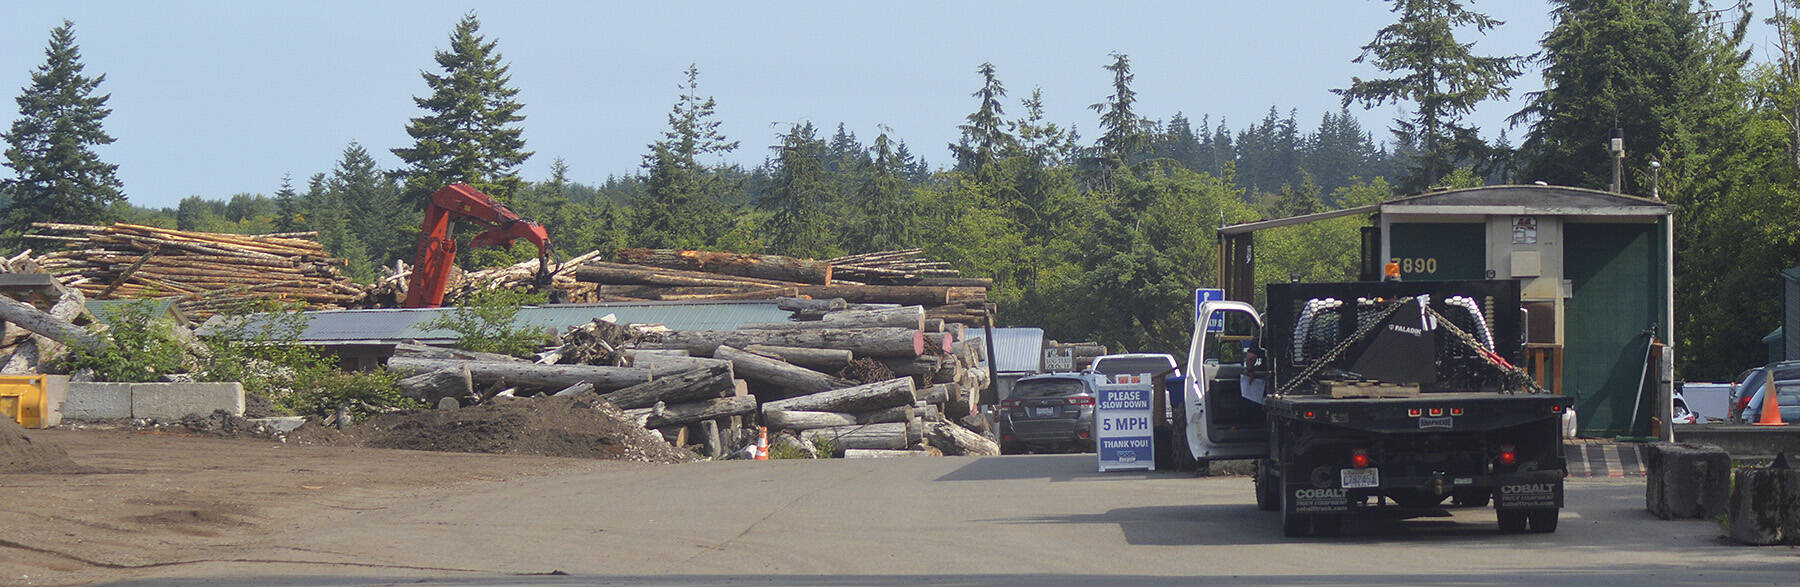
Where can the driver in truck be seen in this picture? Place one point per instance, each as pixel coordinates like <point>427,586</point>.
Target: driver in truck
<point>1254,381</point>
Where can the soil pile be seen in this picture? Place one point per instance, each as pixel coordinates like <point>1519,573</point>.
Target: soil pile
<point>547,426</point>
<point>18,454</point>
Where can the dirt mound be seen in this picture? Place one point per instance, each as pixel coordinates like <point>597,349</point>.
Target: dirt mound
<point>18,454</point>
<point>551,426</point>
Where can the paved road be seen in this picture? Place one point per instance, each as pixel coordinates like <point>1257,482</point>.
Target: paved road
<point>1014,519</point>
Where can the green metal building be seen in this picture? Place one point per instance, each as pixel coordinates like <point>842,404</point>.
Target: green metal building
<point>1596,272</point>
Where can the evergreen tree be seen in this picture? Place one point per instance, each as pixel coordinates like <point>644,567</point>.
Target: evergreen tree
<point>470,131</point>
<point>800,196</point>
<point>984,136</point>
<point>681,204</point>
<point>371,203</point>
<point>1635,66</point>
<point>57,174</point>
<point>289,215</point>
<point>1122,132</point>
<point>1444,78</point>
<point>883,210</point>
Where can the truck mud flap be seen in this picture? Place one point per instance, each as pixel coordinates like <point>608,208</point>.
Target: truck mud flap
<point>1313,500</point>
<point>1529,495</point>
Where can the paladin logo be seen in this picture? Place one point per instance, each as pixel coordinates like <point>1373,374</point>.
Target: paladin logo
<point>1405,329</point>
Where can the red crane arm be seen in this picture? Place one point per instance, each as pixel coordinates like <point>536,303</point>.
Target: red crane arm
<point>437,249</point>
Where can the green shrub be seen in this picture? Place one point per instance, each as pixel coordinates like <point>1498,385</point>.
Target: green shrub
<point>257,344</point>
<point>483,322</point>
<point>137,347</point>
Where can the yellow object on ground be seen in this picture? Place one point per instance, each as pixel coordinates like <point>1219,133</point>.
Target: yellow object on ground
<point>24,399</point>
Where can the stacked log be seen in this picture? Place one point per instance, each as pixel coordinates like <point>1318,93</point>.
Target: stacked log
<point>204,272</point>
<point>897,277</point>
<point>1084,353</point>
<point>859,366</point>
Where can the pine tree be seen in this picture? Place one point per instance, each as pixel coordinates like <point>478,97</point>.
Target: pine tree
<point>1635,66</point>
<point>883,210</point>
<point>681,205</point>
<point>371,202</point>
<point>800,195</point>
<point>984,136</point>
<point>470,131</point>
<point>1444,78</point>
<point>289,214</point>
<point>1122,131</point>
<point>50,147</point>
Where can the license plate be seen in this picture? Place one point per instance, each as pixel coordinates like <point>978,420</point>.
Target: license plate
<point>1438,422</point>
<point>1359,478</point>
<point>1043,412</point>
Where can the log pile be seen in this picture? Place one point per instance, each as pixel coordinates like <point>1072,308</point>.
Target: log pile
<point>851,379</point>
<point>894,278</point>
<point>204,272</point>
<point>39,318</point>
<point>1083,353</point>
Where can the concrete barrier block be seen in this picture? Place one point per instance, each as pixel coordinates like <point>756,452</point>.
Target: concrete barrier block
<point>172,401</point>
<point>96,401</point>
<point>1686,481</point>
<point>1765,507</point>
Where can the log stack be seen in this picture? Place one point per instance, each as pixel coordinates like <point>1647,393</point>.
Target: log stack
<point>894,278</point>
<point>204,272</point>
<point>39,318</point>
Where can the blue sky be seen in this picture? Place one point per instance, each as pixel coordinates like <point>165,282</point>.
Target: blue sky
<point>217,98</point>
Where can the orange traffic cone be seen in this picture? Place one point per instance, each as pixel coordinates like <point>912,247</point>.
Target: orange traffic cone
<point>762,443</point>
<point>1771,408</point>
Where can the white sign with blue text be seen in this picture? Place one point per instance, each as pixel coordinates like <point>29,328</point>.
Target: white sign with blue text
<point>1122,425</point>
<point>1203,295</point>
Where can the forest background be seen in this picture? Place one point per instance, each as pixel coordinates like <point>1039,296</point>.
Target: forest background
<point>1093,235</point>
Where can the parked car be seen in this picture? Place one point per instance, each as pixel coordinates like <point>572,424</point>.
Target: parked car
<point>1787,394</point>
<point>1748,390</point>
<point>1683,415</point>
<point>1053,411</point>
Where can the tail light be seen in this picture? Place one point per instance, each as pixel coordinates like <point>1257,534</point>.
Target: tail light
<point>1359,458</point>
<point>1082,433</point>
<point>1414,412</point>
<point>1556,409</point>
<point>1080,400</point>
<point>1311,414</point>
<point>1009,403</point>
<point>1509,455</point>
<point>1743,402</point>
<point>1456,411</point>
<point>1437,411</point>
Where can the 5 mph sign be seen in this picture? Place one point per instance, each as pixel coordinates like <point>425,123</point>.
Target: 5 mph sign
<point>1122,426</point>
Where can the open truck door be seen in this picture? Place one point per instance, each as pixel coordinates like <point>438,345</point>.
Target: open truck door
<point>1217,421</point>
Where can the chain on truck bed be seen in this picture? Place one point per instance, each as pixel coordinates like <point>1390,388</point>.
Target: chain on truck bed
<point>1515,377</point>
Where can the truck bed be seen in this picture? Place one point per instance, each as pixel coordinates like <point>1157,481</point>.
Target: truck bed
<point>1428,413</point>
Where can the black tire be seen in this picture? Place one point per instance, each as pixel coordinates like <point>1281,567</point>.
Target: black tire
<point>1179,452</point>
<point>1268,491</point>
<point>1542,521</point>
<point>1293,525</point>
<point>1470,498</point>
<point>1511,521</point>
<point>1328,526</point>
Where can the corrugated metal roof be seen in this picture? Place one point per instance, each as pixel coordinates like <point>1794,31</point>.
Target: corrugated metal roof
<point>389,326</point>
<point>1018,350</point>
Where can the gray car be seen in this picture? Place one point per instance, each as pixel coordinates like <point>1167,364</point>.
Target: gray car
<point>1048,412</point>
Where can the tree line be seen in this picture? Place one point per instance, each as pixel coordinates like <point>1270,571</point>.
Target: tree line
<point>1102,238</point>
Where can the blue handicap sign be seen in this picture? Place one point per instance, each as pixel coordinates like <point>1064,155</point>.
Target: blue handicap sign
<point>1204,295</point>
